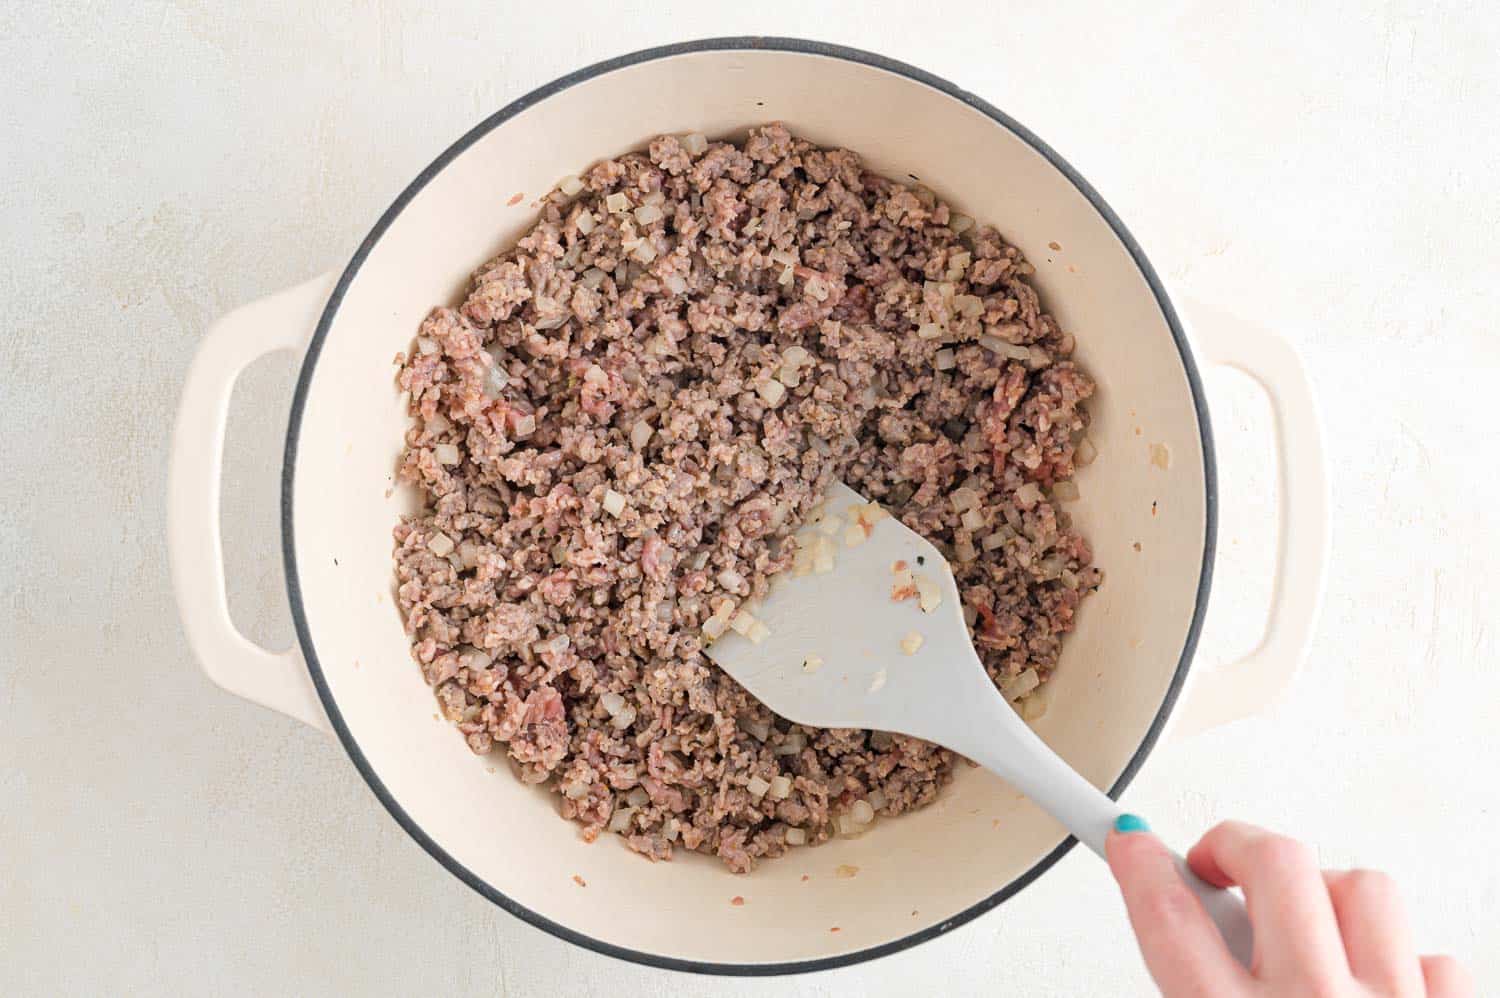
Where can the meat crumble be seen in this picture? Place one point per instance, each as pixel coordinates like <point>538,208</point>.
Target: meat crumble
<point>619,429</point>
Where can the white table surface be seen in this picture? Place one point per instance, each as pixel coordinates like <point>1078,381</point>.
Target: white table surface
<point>1331,172</point>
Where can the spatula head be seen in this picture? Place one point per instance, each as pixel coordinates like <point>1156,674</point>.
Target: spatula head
<point>852,646</point>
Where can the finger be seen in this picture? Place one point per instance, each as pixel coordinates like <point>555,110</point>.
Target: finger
<point>1296,931</point>
<point>1182,948</point>
<point>1377,937</point>
<point>1446,978</point>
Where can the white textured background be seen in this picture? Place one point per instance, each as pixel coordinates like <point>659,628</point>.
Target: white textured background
<point>1331,171</point>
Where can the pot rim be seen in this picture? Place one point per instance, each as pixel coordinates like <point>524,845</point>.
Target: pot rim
<point>299,402</point>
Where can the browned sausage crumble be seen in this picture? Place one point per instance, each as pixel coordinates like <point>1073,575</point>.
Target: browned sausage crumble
<point>631,412</point>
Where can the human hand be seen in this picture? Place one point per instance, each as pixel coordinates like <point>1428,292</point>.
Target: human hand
<point>1324,933</point>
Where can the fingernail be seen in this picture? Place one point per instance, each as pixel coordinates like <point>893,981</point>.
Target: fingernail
<point>1131,823</point>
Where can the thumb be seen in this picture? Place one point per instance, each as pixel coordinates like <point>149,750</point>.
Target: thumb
<point>1183,950</point>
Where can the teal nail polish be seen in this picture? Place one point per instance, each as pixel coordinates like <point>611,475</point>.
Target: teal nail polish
<point>1131,823</point>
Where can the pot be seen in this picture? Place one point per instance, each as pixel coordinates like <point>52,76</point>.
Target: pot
<point>1122,672</point>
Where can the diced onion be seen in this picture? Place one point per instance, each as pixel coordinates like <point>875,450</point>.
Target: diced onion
<point>796,837</point>
<point>1066,491</point>
<point>592,278</point>
<point>757,787</point>
<point>1020,685</point>
<point>676,283</point>
<point>637,796</point>
<point>993,541</point>
<point>970,615</point>
<point>612,703</point>
<point>625,718</point>
<point>614,503</point>
<point>714,627</point>
<point>1029,494</point>
<point>929,596</point>
<point>969,306</point>
<point>585,222</point>
<point>440,544</point>
<point>959,224</point>
<point>963,550</point>
<point>576,791</point>
<point>647,213</point>
<point>861,812</point>
<point>742,622</point>
<point>1085,454</point>
<point>963,498</point>
<point>427,346</point>
<point>595,375</point>
<point>731,580</point>
<point>495,380</point>
<point>446,453</point>
<point>620,820</point>
<point>877,799</point>
<point>911,643</point>
<point>772,391</point>
<point>758,632</point>
<point>945,360</point>
<point>929,331</point>
<point>695,143</point>
<point>760,730</point>
<point>972,519</point>
<point>644,251</point>
<point>616,203</point>
<point>570,185</point>
<point>1033,707</point>
<point>640,434</point>
<point>786,277</point>
<point>791,744</point>
<point>796,356</point>
<point>525,426</point>
<point>1005,349</point>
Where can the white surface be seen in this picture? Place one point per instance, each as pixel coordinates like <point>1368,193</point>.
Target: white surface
<point>1330,172</point>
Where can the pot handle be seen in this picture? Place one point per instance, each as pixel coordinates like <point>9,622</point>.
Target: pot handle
<point>1240,689</point>
<point>278,680</point>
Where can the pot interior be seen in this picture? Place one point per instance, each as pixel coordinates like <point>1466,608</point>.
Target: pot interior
<point>1146,522</point>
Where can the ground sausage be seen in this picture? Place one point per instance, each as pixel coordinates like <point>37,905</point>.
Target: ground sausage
<point>633,409</point>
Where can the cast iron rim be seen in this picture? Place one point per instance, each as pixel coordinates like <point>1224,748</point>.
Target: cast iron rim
<point>299,401</point>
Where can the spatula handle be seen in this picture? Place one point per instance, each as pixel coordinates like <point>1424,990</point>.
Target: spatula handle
<point>1008,746</point>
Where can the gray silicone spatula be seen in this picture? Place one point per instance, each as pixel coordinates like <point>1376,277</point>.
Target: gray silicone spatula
<point>831,647</point>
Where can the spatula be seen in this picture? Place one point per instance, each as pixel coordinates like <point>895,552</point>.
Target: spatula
<point>832,647</point>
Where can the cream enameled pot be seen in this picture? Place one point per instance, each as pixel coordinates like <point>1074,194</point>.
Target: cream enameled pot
<point>1121,673</point>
